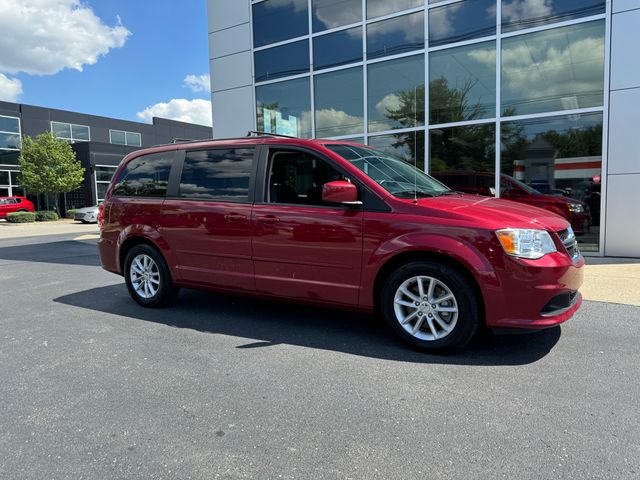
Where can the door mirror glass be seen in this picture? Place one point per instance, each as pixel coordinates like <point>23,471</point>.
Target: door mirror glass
<point>340,191</point>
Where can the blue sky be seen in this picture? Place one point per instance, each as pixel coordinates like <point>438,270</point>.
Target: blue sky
<point>167,42</point>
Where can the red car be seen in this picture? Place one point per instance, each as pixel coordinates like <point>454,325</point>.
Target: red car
<point>337,224</point>
<point>14,204</point>
<point>483,183</point>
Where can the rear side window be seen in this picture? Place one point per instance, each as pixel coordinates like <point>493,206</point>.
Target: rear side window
<point>145,176</point>
<point>221,174</point>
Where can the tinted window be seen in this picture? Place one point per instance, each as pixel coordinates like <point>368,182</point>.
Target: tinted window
<point>134,139</point>
<point>80,133</point>
<point>329,14</point>
<point>377,8</point>
<point>9,125</point>
<point>339,103</point>
<point>9,140</point>
<point>117,137</point>
<point>557,69</point>
<point>278,20</point>
<point>217,175</point>
<point>462,83</point>
<point>337,48</point>
<point>462,21</point>
<point>285,108</point>
<point>519,14</point>
<point>283,61</point>
<point>145,176</point>
<point>4,178</point>
<point>396,94</point>
<point>395,35</point>
<point>61,130</point>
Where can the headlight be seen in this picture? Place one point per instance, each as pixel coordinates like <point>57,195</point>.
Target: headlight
<point>526,243</point>
<point>576,207</point>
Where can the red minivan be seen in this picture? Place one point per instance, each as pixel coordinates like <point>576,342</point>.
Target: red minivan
<point>337,224</point>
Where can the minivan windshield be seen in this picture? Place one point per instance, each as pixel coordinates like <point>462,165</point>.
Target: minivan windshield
<point>396,176</point>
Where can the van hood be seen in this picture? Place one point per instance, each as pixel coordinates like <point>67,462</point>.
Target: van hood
<point>490,213</point>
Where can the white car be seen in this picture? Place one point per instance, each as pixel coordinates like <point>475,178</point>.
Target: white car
<point>86,215</point>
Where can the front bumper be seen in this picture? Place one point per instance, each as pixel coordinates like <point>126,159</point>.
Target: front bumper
<point>86,217</point>
<point>532,292</point>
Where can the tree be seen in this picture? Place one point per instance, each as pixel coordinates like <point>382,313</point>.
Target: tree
<point>49,165</point>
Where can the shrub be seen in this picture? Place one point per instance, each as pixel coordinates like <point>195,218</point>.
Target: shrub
<point>21,217</point>
<point>70,213</point>
<point>46,216</point>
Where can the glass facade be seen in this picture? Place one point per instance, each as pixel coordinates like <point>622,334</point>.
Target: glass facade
<point>119,137</point>
<point>442,83</point>
<point>70,132</point>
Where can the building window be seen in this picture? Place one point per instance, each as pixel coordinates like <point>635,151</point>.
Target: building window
<point>119,137</point>
<point>275,21</point>
<point>339,103</point>
<point>10,133</point>
<point>338,48</point>
<point>285,108</point>
<point>71,132</point>
<point>462,83</point>
<point>395,35</point>
<point>559,156</point>
<point>396,94</point>
<point>328,14</point>
<point>104,174</point>
<point>462,20</point>
<point>519,14</point>
<point>9,185</point>
<point>408,146</point>
<point>221,175</point>
<point>550,70</point>
<point>282,61</point>
<point>378,8</point>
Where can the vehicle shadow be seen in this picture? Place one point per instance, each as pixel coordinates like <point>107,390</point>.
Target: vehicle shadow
<point>67,252</point>
<point>271,323</point>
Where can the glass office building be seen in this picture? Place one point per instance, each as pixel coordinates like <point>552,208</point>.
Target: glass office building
<point>507,98</point>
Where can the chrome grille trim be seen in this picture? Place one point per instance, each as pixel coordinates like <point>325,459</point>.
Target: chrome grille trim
<point>570,243</point>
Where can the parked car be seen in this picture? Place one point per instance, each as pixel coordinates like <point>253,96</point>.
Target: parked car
<point>14,204</point>
<point>483,183</point>
<point>243,216</point>
<point>86,215</point>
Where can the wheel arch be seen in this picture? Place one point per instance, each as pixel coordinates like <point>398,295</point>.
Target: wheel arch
<point>131,242</point>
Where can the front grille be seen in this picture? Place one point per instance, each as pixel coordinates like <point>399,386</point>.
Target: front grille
<point>559,304</point>
<point>79,216</point>
<point>570,243</point>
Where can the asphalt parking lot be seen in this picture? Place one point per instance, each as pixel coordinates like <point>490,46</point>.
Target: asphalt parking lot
<point>94,386</point>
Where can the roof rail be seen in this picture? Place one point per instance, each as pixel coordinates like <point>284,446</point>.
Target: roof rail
<point>255,133</point>
<point>188,140</point>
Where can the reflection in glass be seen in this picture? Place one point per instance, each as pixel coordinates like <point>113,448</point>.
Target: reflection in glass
<point>463,158</point>
<point>378,8</point>
<point>117,137</point>
<point>285,108</point>
<point>462,21</point>
<point>145,176</point>
<point>339,103</point>
<point>104,174</point>
<point>396,94</point>
<point>14,178</point>
<point>519,14</point>
<point>10,140</point>
<point>408,146</point>
<point>9,124</point>
<point>282,61</point>
<point>562,157</point>
<point>337,48</point>
<point>278,20</point>
<point>101,191</point>
<point>462,83</point>
<point>329,14</point>
<point>558,69</point>
<point>4,177</point>
<point>395,35</point>
<point>134,139</point>
<point>61,130</point>
<point>80,133</point>
<point>8,157</point>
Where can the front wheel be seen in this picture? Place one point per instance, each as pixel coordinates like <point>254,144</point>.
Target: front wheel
<point>431,306</point>
<point>147,276</point>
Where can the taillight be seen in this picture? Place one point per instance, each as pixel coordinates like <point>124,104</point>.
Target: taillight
<point>101,216</point>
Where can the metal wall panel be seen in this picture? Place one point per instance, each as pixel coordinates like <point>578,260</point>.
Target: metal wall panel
<point>625,56</point>
<point>233,112</point>
<point>227,13</point>
<point>623,132</point>
<point>623,228</point>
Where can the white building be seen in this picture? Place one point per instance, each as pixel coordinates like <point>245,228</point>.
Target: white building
<point>546,92</point>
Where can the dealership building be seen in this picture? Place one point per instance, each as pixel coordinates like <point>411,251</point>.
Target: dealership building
<point>100,144</point>
<point>491,93</point>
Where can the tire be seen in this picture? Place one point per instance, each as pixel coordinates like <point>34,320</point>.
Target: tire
<point>449,326</point>
<point>159,290</point>
<point>21,210</point>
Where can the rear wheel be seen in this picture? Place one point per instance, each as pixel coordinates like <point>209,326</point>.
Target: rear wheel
<point>147,276</point>
<point>431,306</point>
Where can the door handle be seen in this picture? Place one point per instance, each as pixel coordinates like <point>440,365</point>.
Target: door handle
<point>235,217</point>
<point>268,219</point>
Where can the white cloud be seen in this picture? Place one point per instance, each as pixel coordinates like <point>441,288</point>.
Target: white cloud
<point>198,83</point>
<point>43,37</point>
<point>10,88</point>
<point>331,123</point>
<point>192,111</point>
<point>525,9</point>
<point>390,103</point>
<point>441,20</point>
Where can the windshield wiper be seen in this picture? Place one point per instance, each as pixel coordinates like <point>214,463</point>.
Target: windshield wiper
<point>418,193</point>
<point>449,192</point>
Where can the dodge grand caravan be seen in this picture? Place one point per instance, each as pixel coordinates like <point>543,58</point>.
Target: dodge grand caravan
<point>337,224</point>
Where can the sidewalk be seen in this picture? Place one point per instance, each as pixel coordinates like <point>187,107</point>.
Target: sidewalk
<point>38,229</point>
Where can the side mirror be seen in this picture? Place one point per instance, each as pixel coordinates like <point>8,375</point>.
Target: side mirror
<point>341,192</point>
